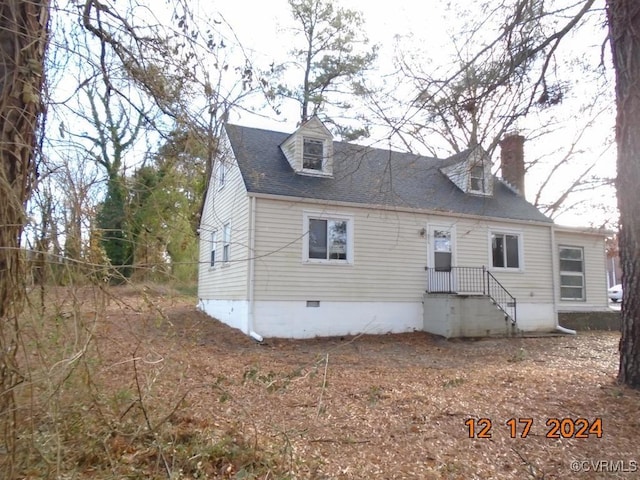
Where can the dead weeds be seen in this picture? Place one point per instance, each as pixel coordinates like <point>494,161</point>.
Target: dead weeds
<point>170,393</point>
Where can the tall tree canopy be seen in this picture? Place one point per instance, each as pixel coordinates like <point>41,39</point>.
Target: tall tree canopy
<point>332,60</point>
<point>123,78</point>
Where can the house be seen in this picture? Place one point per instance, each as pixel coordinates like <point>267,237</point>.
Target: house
<point>302,236</point>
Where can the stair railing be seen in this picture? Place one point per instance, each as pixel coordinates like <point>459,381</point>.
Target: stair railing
<point>472,280</point>
<point>501,297</point>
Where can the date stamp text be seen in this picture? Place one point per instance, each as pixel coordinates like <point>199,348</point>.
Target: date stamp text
<point>521,427</point>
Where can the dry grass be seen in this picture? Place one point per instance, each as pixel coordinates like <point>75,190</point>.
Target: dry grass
<point>166,392</point>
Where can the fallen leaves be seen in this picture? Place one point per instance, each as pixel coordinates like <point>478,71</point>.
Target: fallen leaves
<point>390,406</point>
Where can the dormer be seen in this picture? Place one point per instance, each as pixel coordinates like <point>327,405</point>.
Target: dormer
<point>472,175</point>
<point>309,150</point>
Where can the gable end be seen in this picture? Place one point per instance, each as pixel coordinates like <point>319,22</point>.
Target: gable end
<point>309,150</point>
<point>473,174</point>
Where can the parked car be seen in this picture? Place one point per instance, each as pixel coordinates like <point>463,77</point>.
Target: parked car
<point>615,293</point>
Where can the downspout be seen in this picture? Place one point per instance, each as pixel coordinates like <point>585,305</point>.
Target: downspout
<point>251,270</point>
<point>555,269</point>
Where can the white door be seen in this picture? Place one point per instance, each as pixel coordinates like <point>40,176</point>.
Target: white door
<point>441,259</point>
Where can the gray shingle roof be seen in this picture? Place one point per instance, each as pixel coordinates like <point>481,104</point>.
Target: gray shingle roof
<point>369,176</point>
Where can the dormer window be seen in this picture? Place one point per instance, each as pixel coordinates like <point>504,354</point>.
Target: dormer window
<point>471,172</point>
<point>312,154</point>
<point>476,179</point>
<point>309,150</point>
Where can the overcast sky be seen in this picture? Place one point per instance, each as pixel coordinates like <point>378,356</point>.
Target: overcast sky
<point>266,32</point>
<point>264,29</point>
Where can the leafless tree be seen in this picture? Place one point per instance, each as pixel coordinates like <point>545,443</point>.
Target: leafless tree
<point>167,70</point>
<point>515,80</point>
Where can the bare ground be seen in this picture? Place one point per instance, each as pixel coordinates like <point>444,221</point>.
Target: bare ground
<point>388,407</point>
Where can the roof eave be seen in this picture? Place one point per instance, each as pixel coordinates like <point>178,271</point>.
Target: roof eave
<point>340,203</point>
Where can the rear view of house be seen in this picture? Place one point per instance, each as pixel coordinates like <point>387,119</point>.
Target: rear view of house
<point>302,236</point>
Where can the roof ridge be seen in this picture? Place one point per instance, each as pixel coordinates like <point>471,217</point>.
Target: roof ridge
<point>350,144</point>
<point>369,176</point>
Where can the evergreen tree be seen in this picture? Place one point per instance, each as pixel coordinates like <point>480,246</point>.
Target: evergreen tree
<point>333,58</point>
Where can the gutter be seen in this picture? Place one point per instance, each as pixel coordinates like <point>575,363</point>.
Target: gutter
<point>251,271</point>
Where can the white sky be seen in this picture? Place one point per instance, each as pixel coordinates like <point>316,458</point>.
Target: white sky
<point>262,27</point>
<point>265,32</point>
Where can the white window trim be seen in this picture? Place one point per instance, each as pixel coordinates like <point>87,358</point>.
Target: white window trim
<point>213,250</point>
<point>325,158</point>
<point>451,227</point>
<point>482,178</point>
<point>306,215</point>
<point>314,173</point>
<point>583,274</point>
<point>505,231</point>
<point>226,243</point>
<point>221,174</point>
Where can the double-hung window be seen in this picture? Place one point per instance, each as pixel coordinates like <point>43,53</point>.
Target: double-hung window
<point>476,179</point>
<point>221,173</point>
<point>226,242</point>
<point>312,154</point>
<point>214,239</point>
<point>505,250</point>
<point>571,273</point>
<point>328,239</point>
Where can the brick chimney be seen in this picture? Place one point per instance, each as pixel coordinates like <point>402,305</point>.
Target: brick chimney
<point>512,160</point>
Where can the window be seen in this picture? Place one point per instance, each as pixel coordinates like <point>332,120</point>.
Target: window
<point>226,242</point>
<point>442,250</point>
<point>214,236</point>
<point>572,273</point>
<point>221,173</point>
<point>476,179</point>
<point>505,250</point>
<point>312,154</point>
<point>328,239</point>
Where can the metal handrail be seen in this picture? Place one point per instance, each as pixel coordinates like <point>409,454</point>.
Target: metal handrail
<point>501,297</point>
<point>472,280</point>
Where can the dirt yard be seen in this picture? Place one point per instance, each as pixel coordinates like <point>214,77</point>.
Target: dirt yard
<point>369,407</point>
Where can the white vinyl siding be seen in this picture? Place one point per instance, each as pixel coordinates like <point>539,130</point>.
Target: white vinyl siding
<point>229,205</point>
<point>594,269</point>
<point>390,256</point>
<point>533,282</point>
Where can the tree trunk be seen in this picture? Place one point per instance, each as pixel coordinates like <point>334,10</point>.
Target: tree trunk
<point>624,35</point>
<point>23,38</point>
